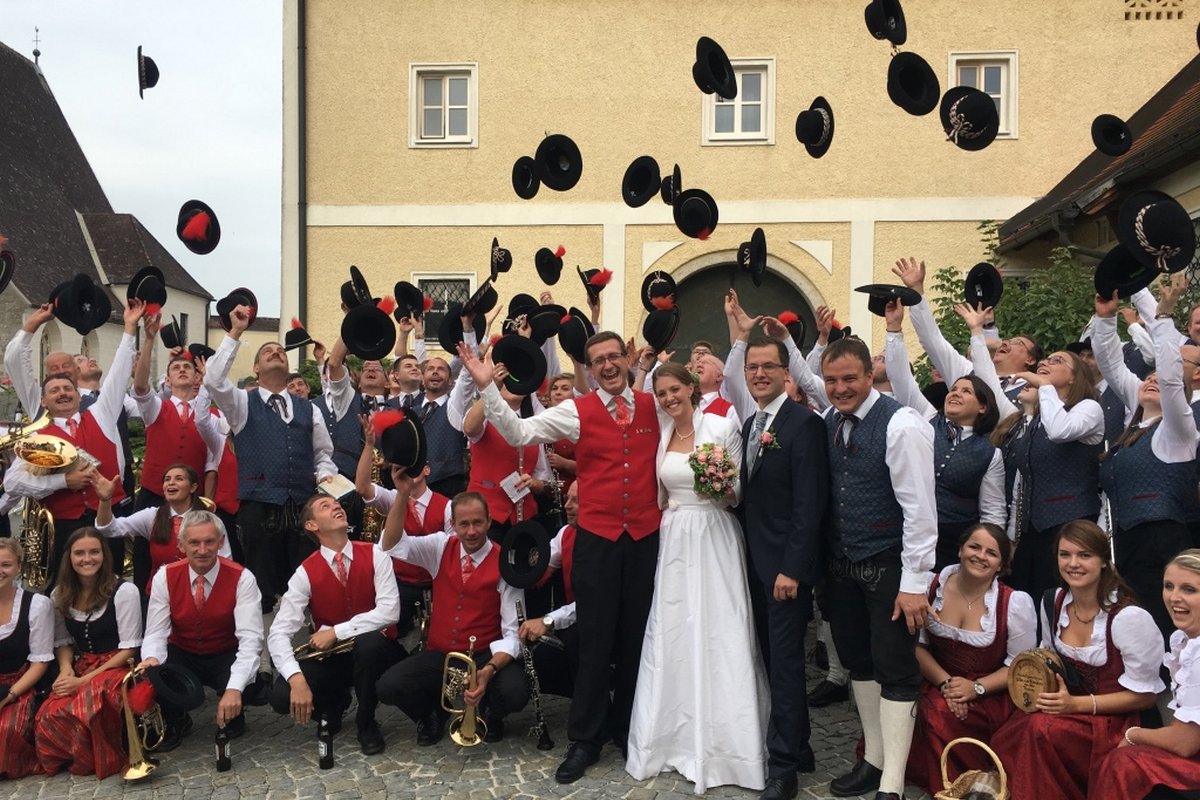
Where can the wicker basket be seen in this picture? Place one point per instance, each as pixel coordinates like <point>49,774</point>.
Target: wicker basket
<point>998,781</point>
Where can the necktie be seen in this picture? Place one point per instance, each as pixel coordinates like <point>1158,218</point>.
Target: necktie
<point>468,566</point>
<point>73,428</point>
<point>412,519</point>
<point>754,446</point>
<point>185,412</point>
<point>339,568</point>
<point>953,432</point>
<point>621,414</point>
<point>368,403</point>
<point>198,591</point>
<point>175,522</point>
<point>844,429</point>
<point>408,402</point>
<point>276,404</point>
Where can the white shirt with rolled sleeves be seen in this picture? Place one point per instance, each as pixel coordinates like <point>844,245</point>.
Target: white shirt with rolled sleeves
<point>564,615</point>
<point>41,626</point>
<point>247,622</point>
<point>295,601</point>
<point>426,551</point>
<point>1134,634</point>
<point>909,458</point>
<point>128,604</point>
<point>233,404</point>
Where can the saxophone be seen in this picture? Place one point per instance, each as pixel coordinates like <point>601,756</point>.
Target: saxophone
<point>372,520</point>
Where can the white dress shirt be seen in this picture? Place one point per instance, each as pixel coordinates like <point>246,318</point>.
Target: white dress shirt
<point>41,626</point>
<point>1183,662</point>
<point>564,615</point>
<point>384,498</point>
<point>127,600</point>
<point>295,601</point>
<point>247,622</point>
<point>151,404</point>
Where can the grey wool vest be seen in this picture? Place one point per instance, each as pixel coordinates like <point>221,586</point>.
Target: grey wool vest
<point>275,458</point>
<point>959,470</point>
<point>346,433</point>
<point>1143,488</point>
<point>1061,479</point>
<point>867,519</point>
<point>445,444</point>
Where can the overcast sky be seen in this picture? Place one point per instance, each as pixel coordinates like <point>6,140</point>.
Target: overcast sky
<point>210,130</point>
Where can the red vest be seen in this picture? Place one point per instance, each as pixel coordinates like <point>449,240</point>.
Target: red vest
<point>1105,678</point>
<point>66,504</point>
<point>331,603</point>
<point>433,521</point>
<point>617,488</point>
<point>972,663</point>
<point>226,493</point>
<point>720,406</point>
<point>568,561</point>
<point>170,440</point>
<point>460,610</point>
<point>209,631</point>
<point>566,449</point>
<point>493,460</point>
<point>163,553</point>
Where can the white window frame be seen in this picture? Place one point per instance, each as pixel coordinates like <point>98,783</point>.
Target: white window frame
<point>709,136</point>
<point>416,72</point>
<point>1010,89</point>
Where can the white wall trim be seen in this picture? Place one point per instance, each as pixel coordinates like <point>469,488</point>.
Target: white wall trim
<point>820,249</point>
<point>653,251</point>
<point>862,271</point>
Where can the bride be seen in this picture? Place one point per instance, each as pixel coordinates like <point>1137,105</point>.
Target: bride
<point>702,699</point>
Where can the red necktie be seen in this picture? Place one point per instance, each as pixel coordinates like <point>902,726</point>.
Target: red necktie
<point>622,413</point>
<point>175,523</point>
<point>198,591</point>
<point>468,566</point>
<point>339,563</point>
<point>412,520</point>
<point>73,428</point>
<point>185,412</point>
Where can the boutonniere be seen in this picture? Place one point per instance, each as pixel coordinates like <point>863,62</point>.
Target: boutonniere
<point>768,441</point>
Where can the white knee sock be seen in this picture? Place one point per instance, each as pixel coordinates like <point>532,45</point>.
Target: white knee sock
<point>866,697</point>
<point>837,674</point>
<point>897,721</point>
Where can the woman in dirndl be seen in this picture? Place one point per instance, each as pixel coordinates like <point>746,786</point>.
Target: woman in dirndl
<point>1167,756</point>
<point>26,649</point>
<point>98,628</point>
<point>1111,652</point>
<point>964,655</point>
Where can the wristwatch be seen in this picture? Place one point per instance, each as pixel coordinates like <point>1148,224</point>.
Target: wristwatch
<point>548,621</point>
<point>978,689</point>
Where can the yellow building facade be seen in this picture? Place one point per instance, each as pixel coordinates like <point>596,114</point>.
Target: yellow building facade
<point>403,121</point>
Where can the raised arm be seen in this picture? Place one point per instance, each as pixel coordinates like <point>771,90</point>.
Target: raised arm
<point>230,399</point>
<point>1107,349</point>
<point>981,357</point>
<point>18,360</point>
<point>899,368</point>
<point>941,353</point>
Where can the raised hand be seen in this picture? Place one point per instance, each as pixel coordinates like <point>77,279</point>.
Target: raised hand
<point>911,273</point>
<point>893,315</point>
<point>774,328</point>
<point>1107,308</point>
<point>825,316</point>
<point>134,310</point>
<point>38,317</point>
<point>480,370</point>
<point>974,317</point>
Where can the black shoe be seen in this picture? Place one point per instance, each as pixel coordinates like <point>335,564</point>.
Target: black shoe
<point>860,780</point>
<point>495,730</point>
<point>236,726</point>
<point>173,735</point>
<point>887,796</point>
<point>431,730</point>
<point>370,739</point>
<point>826,694</point>
<point>258,693</point>
<point>580,756</point>
<point>781,788</point>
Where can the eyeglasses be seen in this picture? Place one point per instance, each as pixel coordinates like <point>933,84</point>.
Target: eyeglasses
<point>600,361</point>
<point>1055,361</point>
<point>750,369</point>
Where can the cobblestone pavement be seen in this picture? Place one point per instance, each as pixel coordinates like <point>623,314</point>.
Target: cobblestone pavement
<point>277,759</point>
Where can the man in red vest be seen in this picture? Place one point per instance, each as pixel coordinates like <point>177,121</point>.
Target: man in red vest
<point>205,614</point>
<point>556,667</point>
<point>616,546</point>
<point>470,599</point>
<point>351,593</point>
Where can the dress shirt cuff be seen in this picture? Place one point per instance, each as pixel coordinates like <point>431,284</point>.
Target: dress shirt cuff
<point>507,645</point>
<point>287,669</point>
<point>915,582</point>
<point>563,616</point>
<point>238,680</point>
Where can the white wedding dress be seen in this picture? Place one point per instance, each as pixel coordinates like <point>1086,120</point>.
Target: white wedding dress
<point>702,698</point>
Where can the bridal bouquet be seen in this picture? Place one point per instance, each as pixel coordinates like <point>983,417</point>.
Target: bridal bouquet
<point>714,470</point>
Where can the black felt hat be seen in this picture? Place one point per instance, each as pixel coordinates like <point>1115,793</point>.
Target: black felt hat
<point>482,301</point>
<point>594,281</point>
<point>1083,345</point>
<point>912,84</point>
<point>1157,230</point>
<point>200,351</point>
<point>549,264</point>
<point>1111,135</point>
<point>657,284</point>
<point>359,289</point>
<point>172,335</point>
<point>1119,271</point>
<point>410,301</point>
<point>368,330</point>
<point>544,322</point>
<point>660,328</point>
<point>525,361</point>
<point>240,296</point>
<point>885,20</point>
<point>696,214</point>
<point>839,332</point>
<point>521,304</point>
<point>969,118</point>
<point>712,72</point>
<point>984,285</point>
<point>500,259</point>
<point>752,256</point>
<point>525,179</point>
<point>573,332</point>
<point>524,554</point>
<point>814,127</point>
<point>198,227</point>
<point>883,293</point>
<point>559,162</point>
<point>147,73</point>
<point>176,686</point>
<point>148,285</point>
<point>296,337</point>
<point>641,182</point>
<point>450,333</point>
<point>8,267</point>
<point>672,185</point>
<point>794,324</point>
<point>81,303</point>
<point>401,440</point>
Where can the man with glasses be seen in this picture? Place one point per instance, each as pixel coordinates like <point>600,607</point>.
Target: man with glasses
<point>616,544</point>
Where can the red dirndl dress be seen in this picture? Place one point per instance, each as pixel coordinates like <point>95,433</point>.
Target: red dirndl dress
<point>83,731</point>
<point>936,724</point>
<point>17,755</point>
<point>1060,754</point>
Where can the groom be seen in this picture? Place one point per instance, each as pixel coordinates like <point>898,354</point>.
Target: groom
<point>785,488</point>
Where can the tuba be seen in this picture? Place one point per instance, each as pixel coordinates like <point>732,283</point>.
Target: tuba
<point>37,540</point>
<point>458,675</point>
<point>144,731</point>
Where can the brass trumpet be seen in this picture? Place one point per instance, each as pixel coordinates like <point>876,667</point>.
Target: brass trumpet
<point>306,652</point>
<point>144,731</point>
<point>458,675</point>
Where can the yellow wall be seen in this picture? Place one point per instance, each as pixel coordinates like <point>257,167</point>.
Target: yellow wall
<point>243,365</point>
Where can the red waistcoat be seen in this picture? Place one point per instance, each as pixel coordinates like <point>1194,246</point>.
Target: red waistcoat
<point>568,561</point>
<point>1104,679</point>
<point>226,493</point>
<point>433,521</point>
<point>163,553</point>
<point>720,406</point>
<point>331,603</point>
<point>170,440</point>
<point>566,449</point>
<point>209,631</point>
<point>972,663</point>
<point>66,504</point>
<point>464,610</point>
<point>617,487</point>
<point>493,460</point>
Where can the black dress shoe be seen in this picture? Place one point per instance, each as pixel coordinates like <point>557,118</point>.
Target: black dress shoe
<point>370,739</point>
<point>860,780</point>
<point>781,788</point>
<point>495,731</point>
<point>826,694</point>
<point>580,756</point>
<point>431,730</point>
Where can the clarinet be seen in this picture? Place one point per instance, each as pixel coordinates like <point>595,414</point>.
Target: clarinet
<point>555,485</point>
<point>539,728</point>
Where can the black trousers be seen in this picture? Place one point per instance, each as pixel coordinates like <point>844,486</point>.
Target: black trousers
<point>274,545</point>
<point>231,534</point>
<point>614,585</point>
<point>1142,554</point>
<point>415,686</point>
<point>212,670</point>
<point>556,669</point>
<point>862,595</point>
<point>372,656</point>
<point>1035,563</point>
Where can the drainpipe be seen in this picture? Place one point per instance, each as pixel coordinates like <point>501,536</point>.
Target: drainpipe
<point>302,165</point>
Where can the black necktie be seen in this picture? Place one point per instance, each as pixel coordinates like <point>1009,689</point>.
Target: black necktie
<point>408,402</point>
<point>368,403</point>
<point>842,433</point>
<point>276,404</point>
<point>953,432</point>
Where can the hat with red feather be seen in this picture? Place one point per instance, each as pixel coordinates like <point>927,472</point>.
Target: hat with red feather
<point>594,281</point>
<point>148,285</point>
<point>198,227</point>
<point>549,264</point>
<point>401,440</point>
<point>410,301</point>
<point>794,324</point>
<point>238,297</point>
<point>296,337</point>
<point>656,284</point>
<point>574,330</point>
